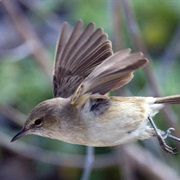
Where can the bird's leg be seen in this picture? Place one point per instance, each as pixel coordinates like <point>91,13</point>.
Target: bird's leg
<point>162,138</point>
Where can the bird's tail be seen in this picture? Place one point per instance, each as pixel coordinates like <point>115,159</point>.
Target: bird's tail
<point>175,99</point>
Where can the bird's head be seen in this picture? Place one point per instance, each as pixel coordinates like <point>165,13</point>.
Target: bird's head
<point>42,120</point>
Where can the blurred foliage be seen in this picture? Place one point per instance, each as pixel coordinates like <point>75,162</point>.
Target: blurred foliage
<point>158,21</point>
<point>23,85</point>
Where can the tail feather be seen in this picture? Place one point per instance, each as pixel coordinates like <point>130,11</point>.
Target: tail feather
<point>175,99</point>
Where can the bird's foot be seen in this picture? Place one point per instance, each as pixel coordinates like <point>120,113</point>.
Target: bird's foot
<point>161,135</point>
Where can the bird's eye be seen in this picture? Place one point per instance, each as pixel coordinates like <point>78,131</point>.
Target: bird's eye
<point>38,122</point>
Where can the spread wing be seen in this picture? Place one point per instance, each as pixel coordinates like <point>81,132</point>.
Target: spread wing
<point>77,55</point>
<point>115,72</point>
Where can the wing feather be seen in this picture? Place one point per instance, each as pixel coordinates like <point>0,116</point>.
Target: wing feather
<point>77,56</point>
<point>113,73</point>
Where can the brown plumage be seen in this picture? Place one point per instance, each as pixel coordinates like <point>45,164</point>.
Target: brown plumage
<point>77,56</point>
<point>81,112</point>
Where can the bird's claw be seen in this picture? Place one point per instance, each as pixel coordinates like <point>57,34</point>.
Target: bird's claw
<point>165,146</point>
<point>162,137</point>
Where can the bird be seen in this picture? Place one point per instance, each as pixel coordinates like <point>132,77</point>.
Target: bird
<point>81,111</point>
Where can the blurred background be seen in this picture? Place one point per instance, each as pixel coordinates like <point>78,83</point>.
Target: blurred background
<point>28,34</point>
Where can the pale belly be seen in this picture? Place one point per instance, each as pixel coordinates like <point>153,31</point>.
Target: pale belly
<point>113,134</point>
<point>122,123</point>
<point>122,128</point>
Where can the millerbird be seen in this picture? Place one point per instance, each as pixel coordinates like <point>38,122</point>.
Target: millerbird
<point>81,112</point>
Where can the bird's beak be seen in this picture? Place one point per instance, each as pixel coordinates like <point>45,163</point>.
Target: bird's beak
<point>21,133</point>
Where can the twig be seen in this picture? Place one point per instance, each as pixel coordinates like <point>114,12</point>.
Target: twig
<point>88,163</point>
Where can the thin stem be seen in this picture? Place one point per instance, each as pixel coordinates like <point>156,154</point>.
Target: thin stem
<point>88,163</point>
